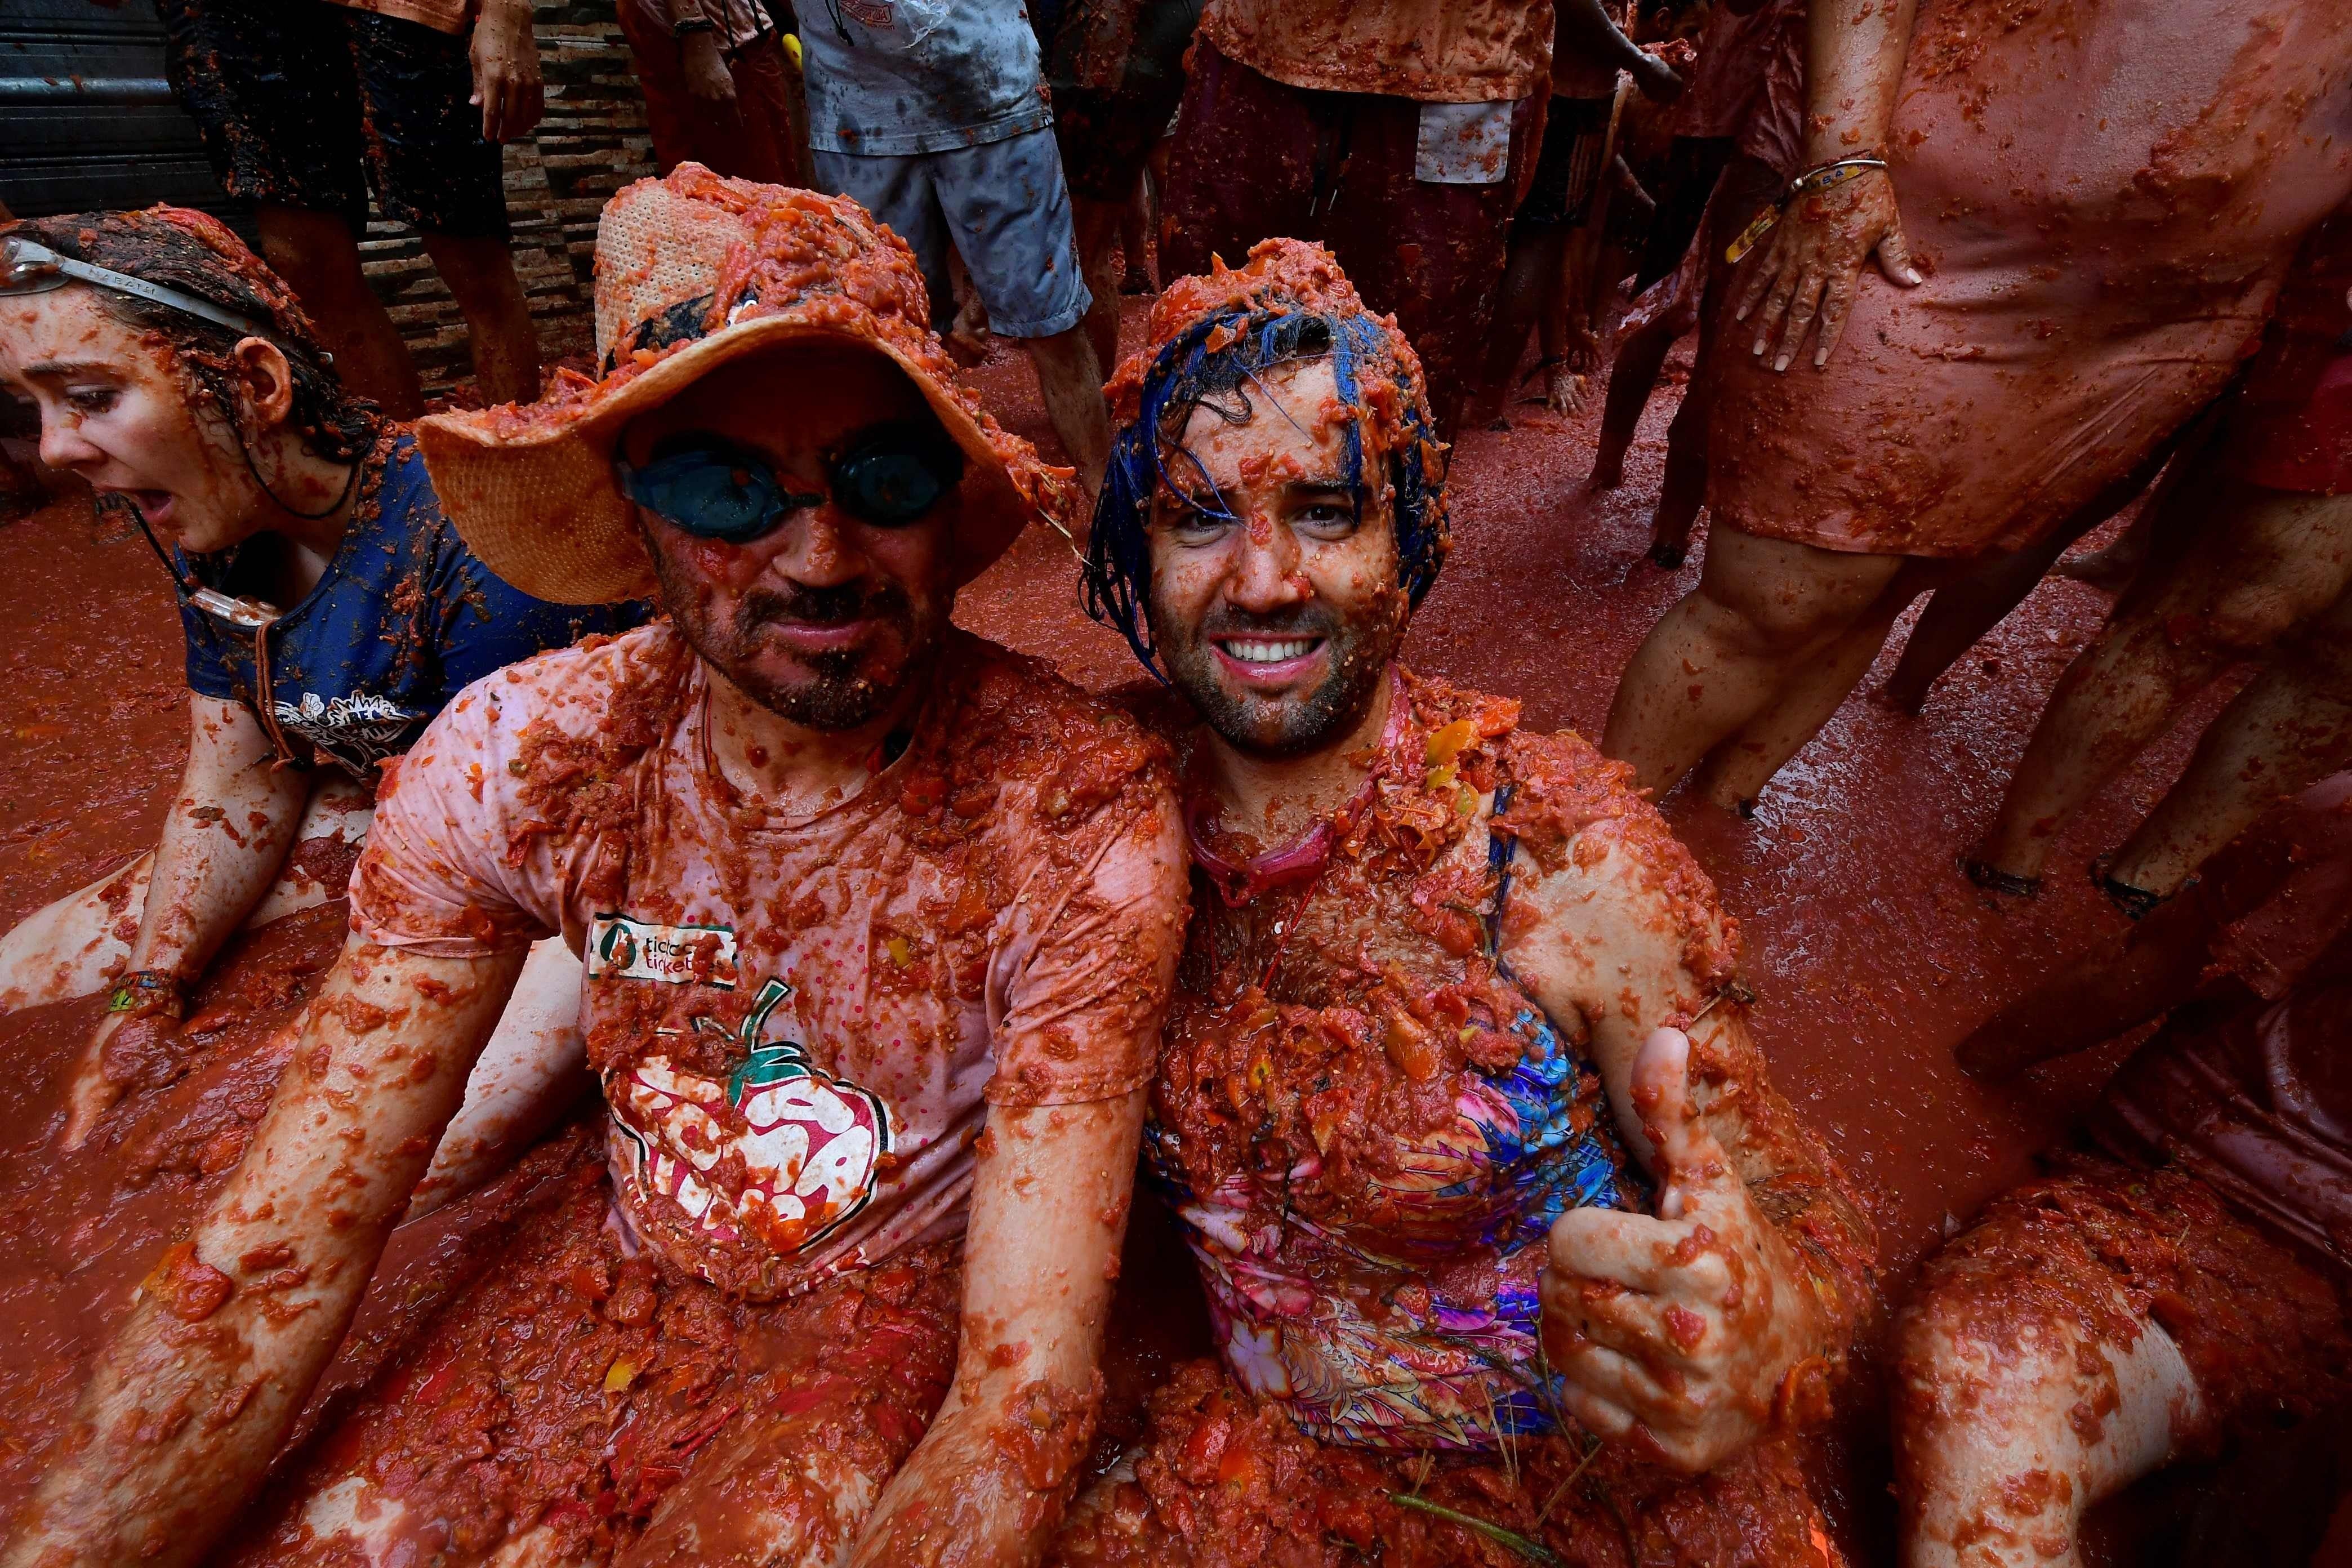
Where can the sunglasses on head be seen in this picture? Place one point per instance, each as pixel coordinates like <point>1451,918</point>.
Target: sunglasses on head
<point>712,488</point>
<point>29,267</point>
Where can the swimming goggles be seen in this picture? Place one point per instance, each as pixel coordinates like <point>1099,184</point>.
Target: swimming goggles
<point>27,267</point>
<point>712,488</point>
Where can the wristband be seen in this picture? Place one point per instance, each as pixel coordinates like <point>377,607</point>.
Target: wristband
<point>678,30</point>
<point>1734,990</point>
<point>145,993</point>
<point>1802,1397</point>
<point>1822,177</point>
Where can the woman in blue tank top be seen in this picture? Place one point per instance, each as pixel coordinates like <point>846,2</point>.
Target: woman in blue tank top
<point>329,609</point>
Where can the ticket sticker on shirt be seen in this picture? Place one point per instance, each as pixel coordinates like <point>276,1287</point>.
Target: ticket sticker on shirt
<point>630,948</point>
<point>1463,144</point>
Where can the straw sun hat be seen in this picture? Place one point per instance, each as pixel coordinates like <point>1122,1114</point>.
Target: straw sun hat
<point>694,271</point>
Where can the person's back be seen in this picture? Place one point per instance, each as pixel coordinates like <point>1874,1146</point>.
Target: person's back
<point>920,76</point>
<point>1439,51</point>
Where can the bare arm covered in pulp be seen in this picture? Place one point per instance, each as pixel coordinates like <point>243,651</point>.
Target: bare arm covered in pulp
<point>185,1409</point>
<point>224,839</point>
<point>1700,1328</point>
<point>1048,1212</point>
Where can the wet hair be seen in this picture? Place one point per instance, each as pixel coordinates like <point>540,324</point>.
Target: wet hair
<point>197,254</point>
<point>1213,364</point>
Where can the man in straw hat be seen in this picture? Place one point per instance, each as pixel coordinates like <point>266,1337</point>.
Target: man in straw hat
<point>879,921</point>
<point>1505,1232</point>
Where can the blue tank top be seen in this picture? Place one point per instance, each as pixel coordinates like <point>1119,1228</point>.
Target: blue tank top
<point>405,618</point>
<point>1402,1312</point>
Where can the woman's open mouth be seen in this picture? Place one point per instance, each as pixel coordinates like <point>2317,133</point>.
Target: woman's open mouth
<point>154,505</point>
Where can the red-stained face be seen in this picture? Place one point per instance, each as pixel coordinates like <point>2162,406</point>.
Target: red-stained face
<point>118,411</point>
<point>1277,621</point>
<point>825,620</point>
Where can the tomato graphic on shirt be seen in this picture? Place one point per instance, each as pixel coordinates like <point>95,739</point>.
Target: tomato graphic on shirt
<point>811,1142</point>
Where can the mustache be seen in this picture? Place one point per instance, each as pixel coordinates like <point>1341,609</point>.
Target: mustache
<point>823,606</point>
<point>1312,619</point>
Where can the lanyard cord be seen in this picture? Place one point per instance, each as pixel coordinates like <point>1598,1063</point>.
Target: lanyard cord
<point>350,483</point>
<point>265,704</point>
<point>112,502</point>
<point>266,699</point>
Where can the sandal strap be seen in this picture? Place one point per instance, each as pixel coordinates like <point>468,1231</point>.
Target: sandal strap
<point>1993,879</point>
<point>2136,903</point>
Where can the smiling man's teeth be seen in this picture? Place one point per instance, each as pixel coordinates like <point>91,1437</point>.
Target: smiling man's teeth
<point>1270,652</point>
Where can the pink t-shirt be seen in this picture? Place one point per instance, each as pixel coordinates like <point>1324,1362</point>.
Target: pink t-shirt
<point>799,1020</point>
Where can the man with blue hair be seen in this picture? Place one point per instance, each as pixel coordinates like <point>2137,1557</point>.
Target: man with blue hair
<point>1505,1236</point>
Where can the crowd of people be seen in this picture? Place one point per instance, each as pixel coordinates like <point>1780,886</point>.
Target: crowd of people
<point>628,713</point>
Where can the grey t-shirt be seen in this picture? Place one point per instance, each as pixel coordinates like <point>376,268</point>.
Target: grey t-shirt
<point>920,76</point>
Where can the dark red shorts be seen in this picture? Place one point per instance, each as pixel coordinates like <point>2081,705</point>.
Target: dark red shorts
<point>761,139</point>
<point>312,106</point>
<point>2292,428</point>
<point>1254,159</point>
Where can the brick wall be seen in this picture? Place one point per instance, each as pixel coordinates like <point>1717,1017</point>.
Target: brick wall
<point>593,142</point>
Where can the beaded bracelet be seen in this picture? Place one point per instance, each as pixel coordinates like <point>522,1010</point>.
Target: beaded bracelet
<point>145,993</point>
<point>1822,177</point>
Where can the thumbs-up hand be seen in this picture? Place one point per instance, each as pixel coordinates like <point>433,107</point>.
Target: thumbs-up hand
<point>1677,1331</point>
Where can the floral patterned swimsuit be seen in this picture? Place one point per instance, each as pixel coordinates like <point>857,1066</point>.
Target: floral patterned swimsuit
<point>1368,1135</point>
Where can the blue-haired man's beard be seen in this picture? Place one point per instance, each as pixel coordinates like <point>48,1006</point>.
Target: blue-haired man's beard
<point>1359,654</point>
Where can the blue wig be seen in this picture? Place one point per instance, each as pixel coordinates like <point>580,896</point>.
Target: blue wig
<point>1185,374</point>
